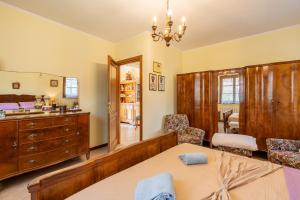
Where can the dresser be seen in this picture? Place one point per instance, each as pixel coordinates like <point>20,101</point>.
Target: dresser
<point>36,141</point>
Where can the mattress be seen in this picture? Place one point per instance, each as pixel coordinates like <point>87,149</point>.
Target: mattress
<point>191,182</point>
<point>234,117</point>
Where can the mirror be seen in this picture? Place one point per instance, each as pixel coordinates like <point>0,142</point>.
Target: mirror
<point>228,101</point>
<point>37,92</point>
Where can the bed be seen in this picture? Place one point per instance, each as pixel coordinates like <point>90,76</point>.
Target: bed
<point>234,117</point>
<point>114,176</point>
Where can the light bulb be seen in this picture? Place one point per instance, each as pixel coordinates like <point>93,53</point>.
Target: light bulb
<point>183,20</point>
<point>180,29</point>
<point>169,13</point>
<point>154,20</point>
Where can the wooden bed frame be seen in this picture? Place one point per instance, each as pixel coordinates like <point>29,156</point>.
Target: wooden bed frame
<point>61,184</point>
<point>13,98</point>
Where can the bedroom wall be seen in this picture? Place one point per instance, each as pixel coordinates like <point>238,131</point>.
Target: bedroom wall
<point>155,104</point>
<point>29,43</point>
<point>274,46</point>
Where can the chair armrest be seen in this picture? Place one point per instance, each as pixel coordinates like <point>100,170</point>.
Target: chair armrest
<point>196,132</point>
<point>282,144</point>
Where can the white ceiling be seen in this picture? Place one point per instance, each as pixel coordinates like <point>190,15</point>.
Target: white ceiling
<point>209,21</point>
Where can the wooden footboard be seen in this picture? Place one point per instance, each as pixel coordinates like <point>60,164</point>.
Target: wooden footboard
<point>61,184</point>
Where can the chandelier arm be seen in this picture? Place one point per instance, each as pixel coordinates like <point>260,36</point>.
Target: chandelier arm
<point>176,37</point>
<point>161,35</point>
<point>156,37</point>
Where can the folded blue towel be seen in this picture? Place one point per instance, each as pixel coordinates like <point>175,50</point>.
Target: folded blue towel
<point>158,187</point>
<point>194,158</point>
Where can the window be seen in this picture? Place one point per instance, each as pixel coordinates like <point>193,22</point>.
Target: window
<point>229,89</point>
<point>70,87</point>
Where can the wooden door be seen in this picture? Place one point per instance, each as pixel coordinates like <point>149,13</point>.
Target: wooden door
<point>202,103</point>
<point>185,96</point>
<point>113,104</point>
<point>259,98</point>
<point>287,101</point>
<point>8,148</point>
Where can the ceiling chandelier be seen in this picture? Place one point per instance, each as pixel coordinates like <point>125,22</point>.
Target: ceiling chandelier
<point>167,35</point>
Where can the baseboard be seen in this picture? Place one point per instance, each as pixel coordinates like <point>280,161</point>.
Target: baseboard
<point>98,146</point>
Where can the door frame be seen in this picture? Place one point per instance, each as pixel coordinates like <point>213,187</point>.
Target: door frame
<point>139,59</point>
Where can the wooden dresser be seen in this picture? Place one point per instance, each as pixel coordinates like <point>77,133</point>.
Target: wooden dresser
<point>32,142</point>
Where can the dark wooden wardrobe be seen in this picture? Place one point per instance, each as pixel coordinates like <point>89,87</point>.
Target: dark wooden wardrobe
<point>272,101</point>
<point>269,100</point>
<point>194,99</point>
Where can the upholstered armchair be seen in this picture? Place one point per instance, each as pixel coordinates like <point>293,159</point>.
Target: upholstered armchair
<point>186,134</point>
<point>283,151</point>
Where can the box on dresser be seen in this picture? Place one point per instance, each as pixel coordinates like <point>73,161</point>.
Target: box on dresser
<point>36,141</point>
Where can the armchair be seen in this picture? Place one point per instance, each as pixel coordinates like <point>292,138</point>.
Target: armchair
<point>283,151</point>
<point>186,134</point>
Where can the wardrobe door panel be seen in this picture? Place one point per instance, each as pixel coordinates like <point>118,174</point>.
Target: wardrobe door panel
<point>202,103</point>
<point>185,96</point>
<point>259,94</point>
<point>287,101</point>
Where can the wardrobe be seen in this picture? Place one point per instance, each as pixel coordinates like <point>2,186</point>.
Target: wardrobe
<point>272,101</point>
<point>269,100</point>
<point>194,99</point>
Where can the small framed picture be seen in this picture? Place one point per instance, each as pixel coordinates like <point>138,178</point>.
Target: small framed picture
<point>156,67</point>
<point>152,82</point>
<point>54,83</point>
<point>16,85</point>
<point>161,83</point>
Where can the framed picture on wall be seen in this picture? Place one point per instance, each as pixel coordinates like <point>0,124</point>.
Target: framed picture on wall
<point>156,67</point>
<point>161,83</point>
<point>152,82</point>
<point>16,85</point>
<point>54,83</point>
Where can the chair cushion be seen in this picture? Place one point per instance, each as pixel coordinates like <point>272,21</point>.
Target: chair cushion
<point>183,137</point>
<point>235,141</point>
<point>286,157</point>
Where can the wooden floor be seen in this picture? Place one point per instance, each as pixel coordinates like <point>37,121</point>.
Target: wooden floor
<point>16,188</point>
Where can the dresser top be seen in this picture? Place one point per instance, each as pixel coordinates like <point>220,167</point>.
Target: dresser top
<point>42,115</point>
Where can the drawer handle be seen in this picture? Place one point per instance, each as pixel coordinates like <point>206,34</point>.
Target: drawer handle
<point>31,161</point>
<point>66,129</point>
<point>31,124</point>
<point>67,151</point>
<point>67,120</point>
<point>66,141</point>
<point>32,148</point>
<point>31,136</point>
<point>77,133</point>
<point>14,145</point>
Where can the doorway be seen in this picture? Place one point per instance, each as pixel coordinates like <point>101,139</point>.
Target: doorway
<point>125,102</point>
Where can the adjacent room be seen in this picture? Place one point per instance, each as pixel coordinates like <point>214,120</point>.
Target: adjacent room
<point>149,100</point>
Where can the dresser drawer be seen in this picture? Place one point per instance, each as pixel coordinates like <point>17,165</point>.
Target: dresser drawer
<point>34,124</point>
<point>47,158</point>
<point>48,145</point>
<point>37,135</point>
<point>69,120</point>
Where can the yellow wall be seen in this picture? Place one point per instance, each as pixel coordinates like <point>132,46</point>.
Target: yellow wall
<point>274,46</point>
<point>155,104</point>
<point>34,44</point>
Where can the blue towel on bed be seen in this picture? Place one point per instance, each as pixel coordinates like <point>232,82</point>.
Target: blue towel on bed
<point>194,158</point>
<point>158,187</point>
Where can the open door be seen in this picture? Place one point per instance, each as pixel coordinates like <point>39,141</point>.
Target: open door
<point>113,108</point>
